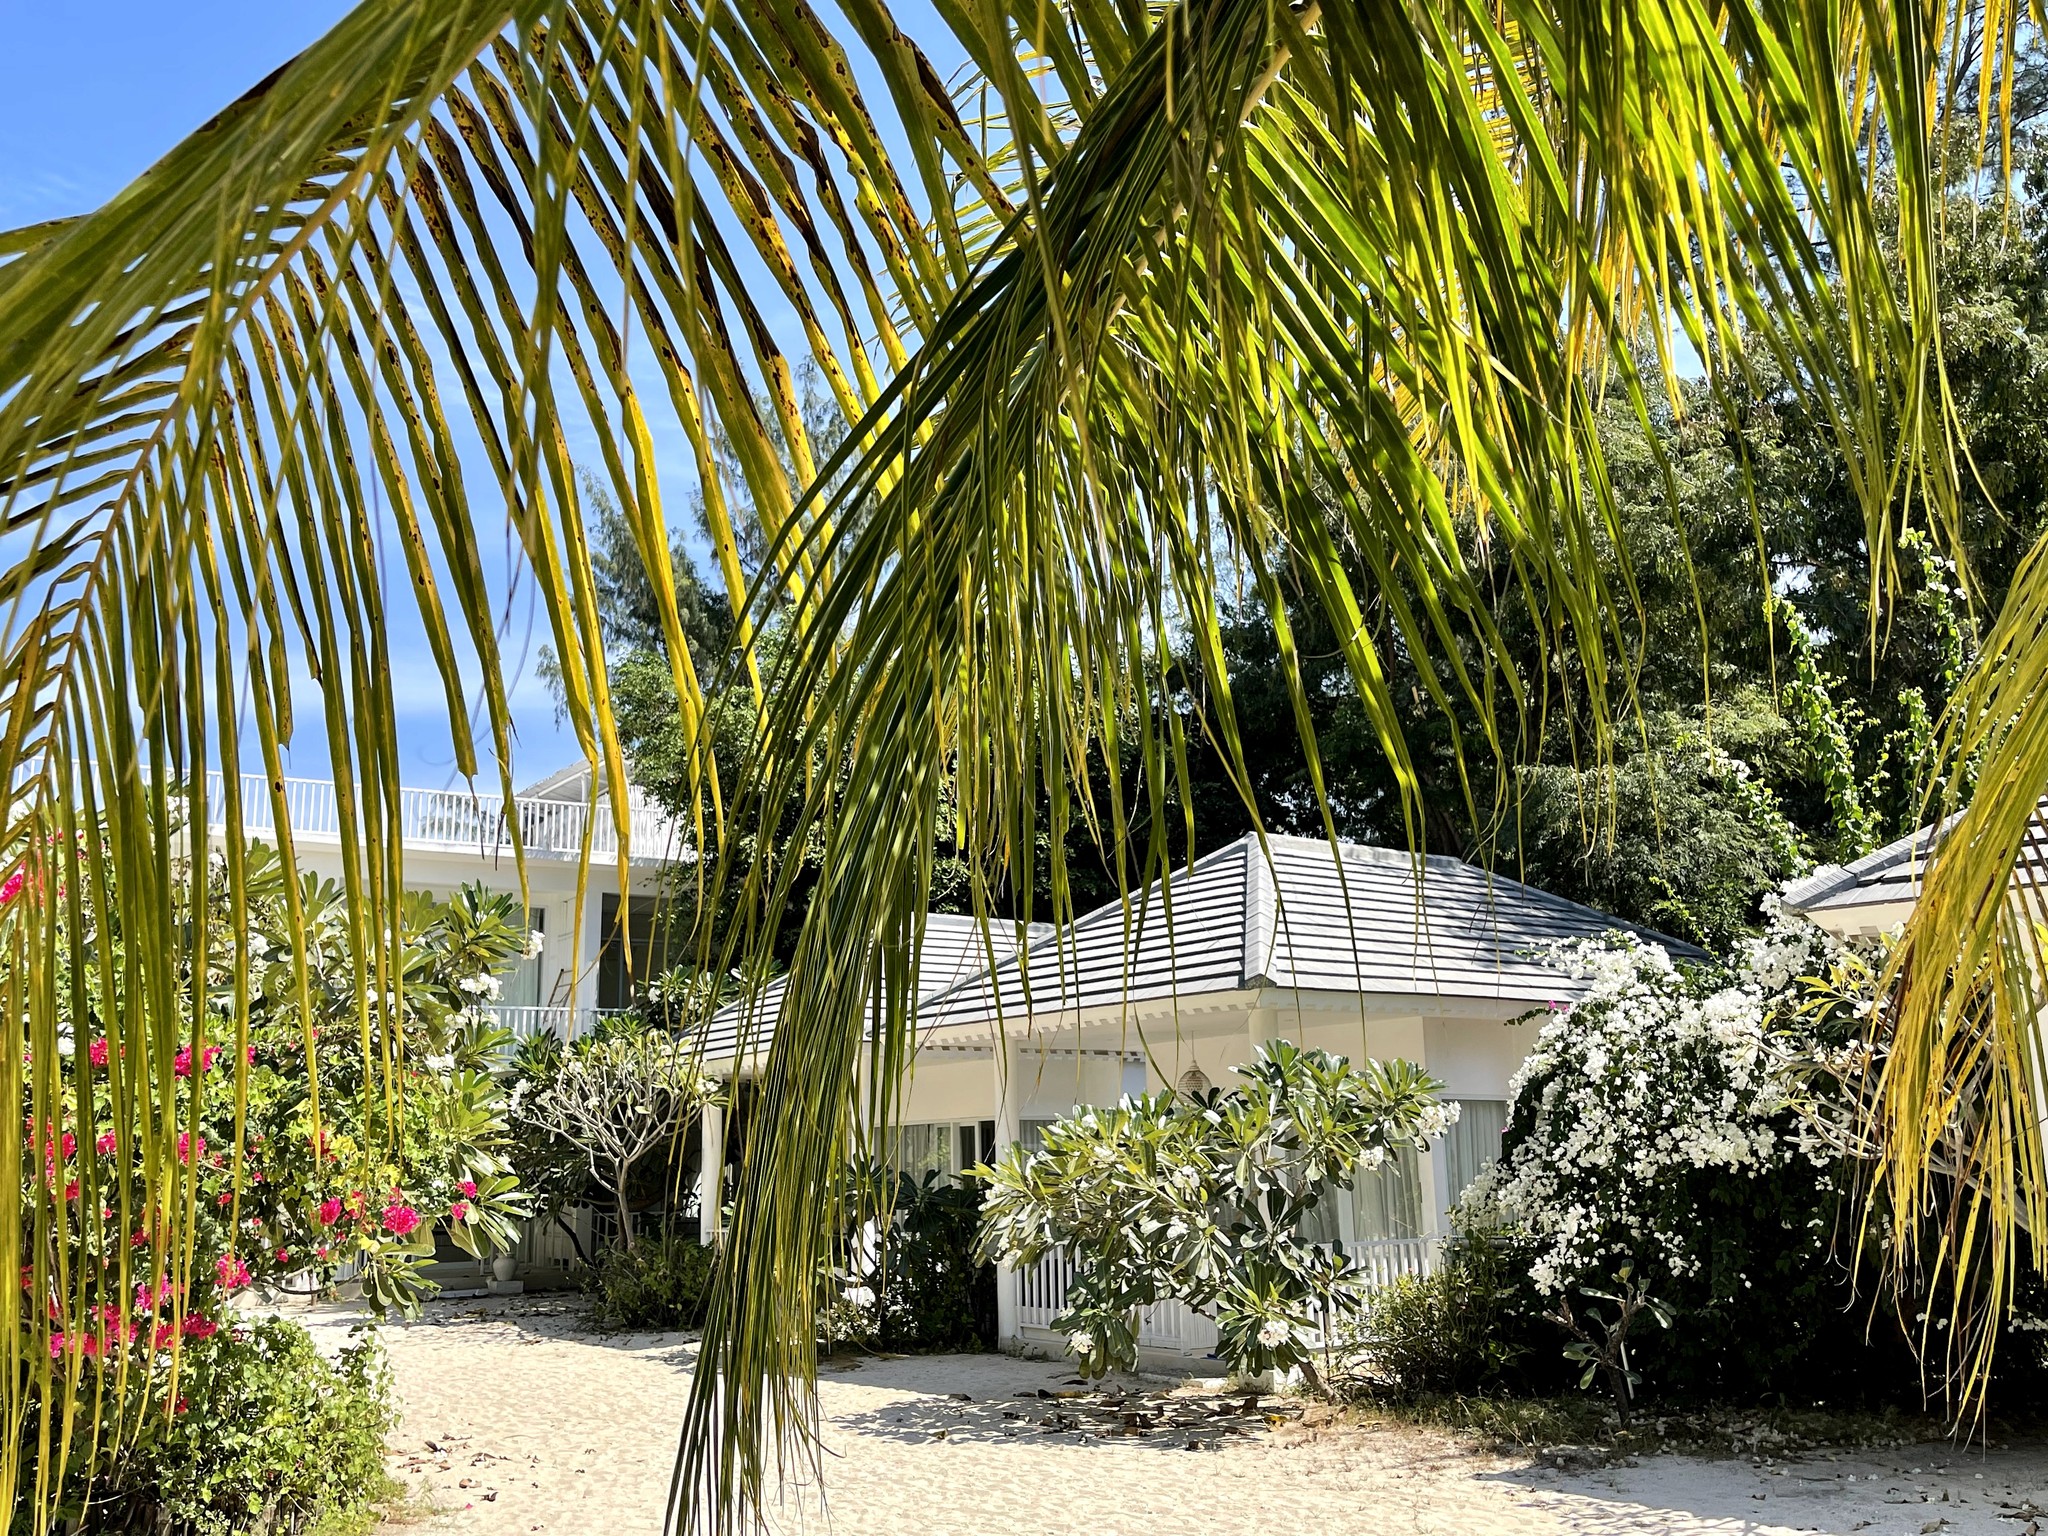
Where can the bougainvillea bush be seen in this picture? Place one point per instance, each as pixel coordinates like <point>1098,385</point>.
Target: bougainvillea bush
<point>1680,1181</point>
<point>1202,1199</point>
<point>296,1174</point>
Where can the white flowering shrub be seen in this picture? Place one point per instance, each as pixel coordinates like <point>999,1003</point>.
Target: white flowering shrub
<point>1202,1200</point>
<point>1654,1072</point>
<point>1686,1146</point>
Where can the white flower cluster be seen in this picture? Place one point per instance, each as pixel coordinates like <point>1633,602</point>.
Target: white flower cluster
<point>485,985</point>
<point>1434,1120</point>
<point>536,941</point>
<point>1646,1075</point>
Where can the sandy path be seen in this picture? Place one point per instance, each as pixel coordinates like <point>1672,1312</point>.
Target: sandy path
<point>516,1422</point>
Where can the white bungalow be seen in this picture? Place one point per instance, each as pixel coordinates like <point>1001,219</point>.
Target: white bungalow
<point>1351,954</point>
<point>1876,893</point>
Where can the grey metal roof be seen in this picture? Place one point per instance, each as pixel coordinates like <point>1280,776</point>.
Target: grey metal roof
<point>953,951</point>
<point>1309,920</point>
<point>1891,875</point>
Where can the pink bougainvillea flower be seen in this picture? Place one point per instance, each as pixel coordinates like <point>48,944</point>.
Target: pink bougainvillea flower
<point>400,1220</point>
<point>70,1144</point>
<point>106,1144</point>
<point>56,1346</point>
<point>13,886</point>
<point>234,1274</point>
<point>284,1256</point>
<point>468,1187</point>
<point>459,1211</point>
<point>330,1212</point>
<point>163,1293</point>
<point>97,1051</point>
<point>225,1197</point>
<point>71,1190</point>
<point>323,1250</point>
<point>197,1327</point>
<point>182,1062</point>
<point>185,1147</point>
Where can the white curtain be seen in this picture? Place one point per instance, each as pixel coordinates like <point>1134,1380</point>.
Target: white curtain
<point>1387,1202</point>
<point>1474,1141</point>
<point>921,1149</point>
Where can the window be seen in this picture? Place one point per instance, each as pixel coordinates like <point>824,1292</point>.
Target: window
<point>977,1143</point>
<point>917,1150</point>
<point>1474,1141</point>
<point>1321,1225</point>
<point>1032,1134</point>
<point>658,935</point>
<point>1387,1202</point>
<point>521,987</point>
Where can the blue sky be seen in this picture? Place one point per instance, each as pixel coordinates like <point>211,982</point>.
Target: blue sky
<point>95,92</point>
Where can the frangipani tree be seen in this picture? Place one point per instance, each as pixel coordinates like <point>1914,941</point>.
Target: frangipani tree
<point>1203,1200</point>
<point>1164,297</point>
<point>617,1099</point>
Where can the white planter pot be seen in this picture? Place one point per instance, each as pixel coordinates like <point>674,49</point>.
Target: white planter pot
<point>504,1267</point>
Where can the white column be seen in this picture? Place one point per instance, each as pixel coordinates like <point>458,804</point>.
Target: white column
<point>1009,1128</point>
<point>588,942</point>
<point>710,1171</point>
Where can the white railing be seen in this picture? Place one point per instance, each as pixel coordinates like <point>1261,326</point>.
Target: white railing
<point>1388,1259</point>
<point>1042,1290</point>
<point>1173,1326</point>
<point>1176,1327</point>
<point>564,1023</point>
<point>454,820</point>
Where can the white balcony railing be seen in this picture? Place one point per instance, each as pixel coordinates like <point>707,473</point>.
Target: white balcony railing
<point>1175,1327</point>
<point>455,821</point>
<point>563,1023</point>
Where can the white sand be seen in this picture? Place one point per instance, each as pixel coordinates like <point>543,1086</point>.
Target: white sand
<point>516,1421</point>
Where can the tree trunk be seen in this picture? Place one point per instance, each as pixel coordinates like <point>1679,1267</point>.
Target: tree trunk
<point>625,1214</point>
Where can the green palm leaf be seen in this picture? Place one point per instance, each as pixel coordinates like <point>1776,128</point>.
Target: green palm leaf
<point>1166,297</point>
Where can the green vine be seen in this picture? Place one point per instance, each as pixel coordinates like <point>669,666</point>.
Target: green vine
<point>1825,734</point>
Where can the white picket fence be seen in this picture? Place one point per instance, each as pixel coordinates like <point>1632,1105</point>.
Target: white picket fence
<point>1173,1327</point>
<point>451,820</point>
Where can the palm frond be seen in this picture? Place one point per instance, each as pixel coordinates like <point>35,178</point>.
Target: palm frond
<point>1319,295</point>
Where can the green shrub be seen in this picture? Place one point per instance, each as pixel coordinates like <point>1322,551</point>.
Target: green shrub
<point>922,1289</point>
<point>936,1295</point>
<point>660,1285</point>
<point>276,1438</point>
<point>1471,1326</point>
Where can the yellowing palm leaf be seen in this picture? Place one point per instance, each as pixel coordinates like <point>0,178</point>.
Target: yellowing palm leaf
<point>1319,296</point>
